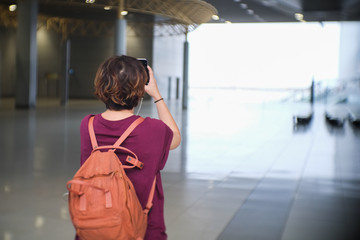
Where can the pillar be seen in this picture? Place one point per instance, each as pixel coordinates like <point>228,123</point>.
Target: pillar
<point>312,92</point>
<point>1,67</point>
<point>64,84</point>
<point>185,73</point>
<point>26,54</point>
<point>120,31</point>
<point>169,88</point>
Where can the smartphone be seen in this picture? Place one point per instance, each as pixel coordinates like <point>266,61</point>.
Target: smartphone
<point>145,64</point>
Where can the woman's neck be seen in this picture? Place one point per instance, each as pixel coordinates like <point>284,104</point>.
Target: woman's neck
<point>113,115</point>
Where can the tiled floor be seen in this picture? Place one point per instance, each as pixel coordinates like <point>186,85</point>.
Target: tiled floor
<point>242,171</point>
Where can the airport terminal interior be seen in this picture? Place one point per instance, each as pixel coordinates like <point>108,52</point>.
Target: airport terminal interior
<point>240,173</point>
<point>248,168</point>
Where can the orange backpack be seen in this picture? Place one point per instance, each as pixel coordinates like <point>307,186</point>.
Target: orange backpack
<point>103,204</point>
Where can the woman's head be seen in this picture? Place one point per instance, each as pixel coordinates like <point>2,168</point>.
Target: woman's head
<point>120,82</point>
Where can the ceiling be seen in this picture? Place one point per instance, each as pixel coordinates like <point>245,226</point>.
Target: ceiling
<point>151,17</point>
<point>187,12</point>
<point>238,11</point>
<point>235,11</point>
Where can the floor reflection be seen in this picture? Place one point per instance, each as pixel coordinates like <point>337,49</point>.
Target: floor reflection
<point>241,172</point>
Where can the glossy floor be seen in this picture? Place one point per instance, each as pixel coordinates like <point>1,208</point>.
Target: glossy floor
<point>242,171</point>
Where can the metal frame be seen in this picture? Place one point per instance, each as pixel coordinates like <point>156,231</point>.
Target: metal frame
<point>174,17</point>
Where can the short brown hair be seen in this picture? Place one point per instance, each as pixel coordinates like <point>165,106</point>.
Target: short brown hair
<point>120,82</point>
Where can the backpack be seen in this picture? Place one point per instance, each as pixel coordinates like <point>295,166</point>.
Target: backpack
<point>103,204</point>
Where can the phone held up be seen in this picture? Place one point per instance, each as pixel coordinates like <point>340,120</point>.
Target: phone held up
<point>145,64</point>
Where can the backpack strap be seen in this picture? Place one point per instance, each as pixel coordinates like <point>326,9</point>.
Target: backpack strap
<point>122,137</point>
<point>134,161</point>
<point>149,203</point>
<point>128,131</point>
<point>92,132</point>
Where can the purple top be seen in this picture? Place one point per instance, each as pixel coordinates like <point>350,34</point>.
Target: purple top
<point>150,141</point>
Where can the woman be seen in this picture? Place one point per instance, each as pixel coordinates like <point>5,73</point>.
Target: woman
<point>120,83</point>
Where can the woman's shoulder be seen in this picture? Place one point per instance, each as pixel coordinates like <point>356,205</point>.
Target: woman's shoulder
<point>85,121</point>
<point>154,127</point>
<point>154,123</point>
<point>149,125</point>
<point>87,117</point>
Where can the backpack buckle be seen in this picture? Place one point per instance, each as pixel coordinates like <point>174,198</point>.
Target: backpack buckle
<point>135,162</point>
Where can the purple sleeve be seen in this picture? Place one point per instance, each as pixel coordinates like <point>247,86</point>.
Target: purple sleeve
<point>167,143</point>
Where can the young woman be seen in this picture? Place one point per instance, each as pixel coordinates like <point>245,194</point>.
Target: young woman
<point>120,83</point>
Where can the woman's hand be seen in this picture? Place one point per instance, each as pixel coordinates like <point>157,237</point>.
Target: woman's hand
<point>152,88</point>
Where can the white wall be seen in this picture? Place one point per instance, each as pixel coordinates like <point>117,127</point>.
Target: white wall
<point>168,57</point>
<point>349,67</point>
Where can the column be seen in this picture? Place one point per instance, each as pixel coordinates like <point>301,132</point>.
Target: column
<point>64,84</point>
<point>185,73</point>
<point>1,67</point>
<point>26,54</point>
<point>120,31</point>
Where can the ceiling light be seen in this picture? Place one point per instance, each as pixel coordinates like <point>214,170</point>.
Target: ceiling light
<point>215,17</point>
<point>243,5</point>
<point>299,16</point>
<point>237,0</point>
<point>12,7</point>
<point>107,7</point>
<point>124,13</point>
<point>228,22</point>
<point>89,1</point>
